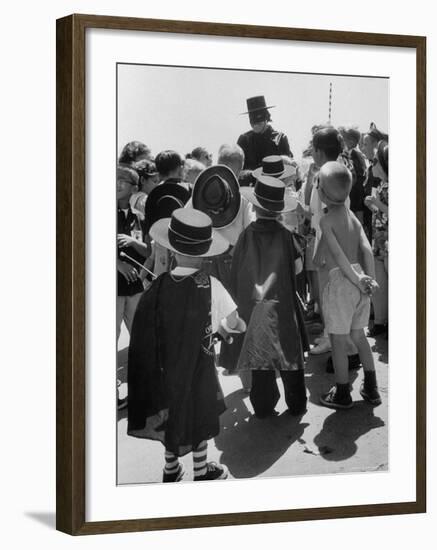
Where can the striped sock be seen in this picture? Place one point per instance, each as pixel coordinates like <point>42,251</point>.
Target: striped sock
<point>171,463</point>
<point>199,459</point>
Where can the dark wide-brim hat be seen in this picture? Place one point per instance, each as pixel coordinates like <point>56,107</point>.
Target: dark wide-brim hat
<point>216,192</point>
<point>162,200</point>
<point>273,166</point>
<point>256,103</point>
<point>189,232</point>
<point>270,194</point>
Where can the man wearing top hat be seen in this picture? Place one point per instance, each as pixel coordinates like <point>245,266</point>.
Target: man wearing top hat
<point>262,140</point>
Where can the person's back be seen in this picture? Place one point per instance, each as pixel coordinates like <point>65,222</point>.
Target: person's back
<point>347,230</point>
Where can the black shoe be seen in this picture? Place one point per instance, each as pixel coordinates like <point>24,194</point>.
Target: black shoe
<point>175,476</point>
<point>333,401</point>
<point>353,360</point>
<point>121,403</point>
<point>371,395</point>
<point>214,471</point>
<point>377,330</point>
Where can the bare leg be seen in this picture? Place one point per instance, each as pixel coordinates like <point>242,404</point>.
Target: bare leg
<point>340,346</point>
<point>364,350</point>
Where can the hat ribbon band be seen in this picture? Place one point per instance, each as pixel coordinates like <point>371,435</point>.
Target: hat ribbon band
<point>188,240</point>
<point>268,200</point>
<point>272,174</point>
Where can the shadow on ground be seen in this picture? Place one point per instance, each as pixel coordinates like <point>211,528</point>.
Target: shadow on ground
<point>340,431</point>
<point>249,445</point>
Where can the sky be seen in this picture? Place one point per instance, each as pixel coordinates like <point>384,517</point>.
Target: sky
<point>181,108</point>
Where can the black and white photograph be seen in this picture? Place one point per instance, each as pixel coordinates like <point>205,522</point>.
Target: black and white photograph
<point>252,274</point>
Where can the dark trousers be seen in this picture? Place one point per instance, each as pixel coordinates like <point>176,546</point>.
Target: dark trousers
<point>264,394</point>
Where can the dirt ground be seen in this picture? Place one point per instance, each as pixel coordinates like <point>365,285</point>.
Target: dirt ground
<point>323,441</point>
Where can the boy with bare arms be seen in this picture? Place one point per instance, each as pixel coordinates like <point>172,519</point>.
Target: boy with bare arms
<point>346,297</point>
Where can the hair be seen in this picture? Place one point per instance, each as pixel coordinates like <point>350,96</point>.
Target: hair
<point>167,161</point>
<point>338,175</point>
<point>259,211</point>
<point>382,155</point>
<point>192,169</point>
<point>246,178</point>
<point>230,154</point>
<point>329,141</point>
<point>145,169</point>
<point>351,133</point>
<point>128,174</point>
<point>197,153</point>
<point>132,151</point>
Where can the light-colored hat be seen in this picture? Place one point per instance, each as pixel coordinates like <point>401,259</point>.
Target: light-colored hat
<point>189,232</point>
<point>269,194</point>
<point>273,166</point>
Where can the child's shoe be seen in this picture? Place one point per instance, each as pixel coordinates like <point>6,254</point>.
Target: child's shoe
<point>371,395</point>
<point>334,400</point>
<point>174,476</point>
<point>214,471</point>
<point>369,388</point>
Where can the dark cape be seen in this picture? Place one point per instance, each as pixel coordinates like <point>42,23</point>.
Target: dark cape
<point>173,388</point>
<point>257,146</point>
<point>264,287</point>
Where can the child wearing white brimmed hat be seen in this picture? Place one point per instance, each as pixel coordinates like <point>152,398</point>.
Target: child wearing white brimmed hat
<point>174,393</point>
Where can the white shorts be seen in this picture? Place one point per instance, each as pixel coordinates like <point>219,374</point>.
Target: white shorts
<point>345,307</point>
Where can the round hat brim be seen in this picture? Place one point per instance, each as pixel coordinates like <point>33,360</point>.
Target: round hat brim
<point>290,203</point>
<point>258,109</point>
<point>224,219</point>
<point>159,233</point>
<point>288,171</point>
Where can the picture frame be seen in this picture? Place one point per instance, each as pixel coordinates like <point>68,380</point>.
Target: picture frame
<point>71,151</point>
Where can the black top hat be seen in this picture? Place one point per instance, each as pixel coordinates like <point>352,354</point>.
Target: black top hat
<point>273,166</point>
<point>189,232</point>
<point>257,103</point>
<point>269,194</point>
<point>217,193</point>
<point>162,200</point>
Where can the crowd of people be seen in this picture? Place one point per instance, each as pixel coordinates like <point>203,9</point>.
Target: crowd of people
<point>225,265</point>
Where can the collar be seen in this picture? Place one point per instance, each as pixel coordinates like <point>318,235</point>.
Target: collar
<point>180,271</point>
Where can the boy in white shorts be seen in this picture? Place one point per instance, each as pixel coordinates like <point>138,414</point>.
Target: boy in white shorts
<point>346,297</point>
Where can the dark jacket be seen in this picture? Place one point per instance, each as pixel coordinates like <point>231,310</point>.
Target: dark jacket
<point>258,146</point>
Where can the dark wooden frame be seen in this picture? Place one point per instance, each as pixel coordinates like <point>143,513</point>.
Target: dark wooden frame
<point>70,340</point>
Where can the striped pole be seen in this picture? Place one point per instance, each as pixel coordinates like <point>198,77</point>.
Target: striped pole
<point>330,102</point>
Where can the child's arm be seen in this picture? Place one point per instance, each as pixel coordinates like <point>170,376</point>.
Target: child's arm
<point>340,257</point>
<point>366,250</point>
